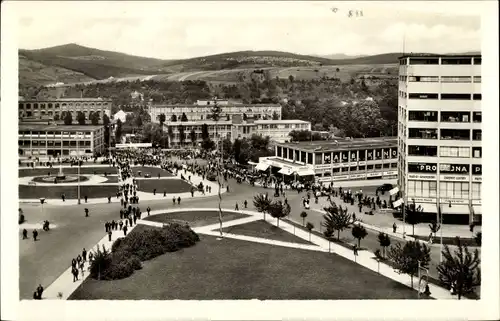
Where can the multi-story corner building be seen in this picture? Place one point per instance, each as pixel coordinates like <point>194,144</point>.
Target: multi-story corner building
<point>42,140</point>
<point>47,109</point>
<point>202,109</point>
<point>344,159</point>
<point>439,134</point>
<point>276,130</point>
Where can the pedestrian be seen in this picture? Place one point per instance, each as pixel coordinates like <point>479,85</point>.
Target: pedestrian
<point>74,271</point>
<point>173,200</point>
<point>85,198</point>
<point>84,255</point>
<point>91,257</point>
<point>39,291</point>
<point>109,235</point>
<point>360,207</point>
<point>109,199</point>
<point>135,219</point>
<point>25,234</point>
<point>149,210</point>
<point>73,263</point>
<point>121,225</point>
<point>86,212</point>
<point>394,227</point>
<point>35,295</point>
<point>236,207</point>
<point>35,234</point>
<point>164,193</point>
<point>63,197</point>
<point>246,203</point>
<point>154,191</point>
<point>355,249</point>
<point>179,200</point>
<point>125,231</point>
<point>78,259</point>
<point>81,269</point>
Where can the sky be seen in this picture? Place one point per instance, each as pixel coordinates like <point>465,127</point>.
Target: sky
<point>170,30</point>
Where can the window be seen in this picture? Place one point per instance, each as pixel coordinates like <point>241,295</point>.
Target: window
<point>362,168</point>
<point>477,152</point>
<point>423,115</point>
<point>463,79</point>
<point>353,168</point>
<point>28,106</point>
<point>457,134</point>
<point>422,150</point>
<point>454,189</point>
<point>446,151</point>
<point>476,134</point>
<point>423,133</point>
<point>402,61</point>
<point>477,79</point>
<point>455,96</point>
<point>423,96</point>
<point>422,188</point>
<point>476,191</point>
<point>455,116</point>
<point>477,61</point>
<point>378,166</point>
<point>456,61</point>
<point>476,116</point>
<point>35,106</point>
<point>424,61</point>
<point>476,96</point>
<point>423,78</point>
<point>278,152</point>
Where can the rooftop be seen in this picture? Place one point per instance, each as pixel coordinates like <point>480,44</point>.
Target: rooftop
<point>431,55</point>
<point>229,122</point>
<point>67,99</point>
<point>210,106</point>
<point>55,127</point>
<point>342,144</point>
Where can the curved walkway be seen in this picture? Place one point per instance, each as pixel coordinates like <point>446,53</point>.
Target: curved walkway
<point>63,287</point>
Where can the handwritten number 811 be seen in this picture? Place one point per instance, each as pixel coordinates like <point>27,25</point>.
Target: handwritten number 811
<point>351,13</point>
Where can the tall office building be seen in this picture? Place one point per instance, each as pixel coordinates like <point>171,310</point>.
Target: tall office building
<point>439,135</point>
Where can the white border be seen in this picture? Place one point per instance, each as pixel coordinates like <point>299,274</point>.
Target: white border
<point>485,309</point>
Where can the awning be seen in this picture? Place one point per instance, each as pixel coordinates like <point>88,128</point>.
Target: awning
<point>262,166</point>
<point>455,209</point>
<point>305,172</point>
<point>477,209</point>
<point>285,171</point>
<point>428,207</point>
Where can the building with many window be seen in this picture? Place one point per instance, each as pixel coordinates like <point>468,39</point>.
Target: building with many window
<point>340,160</point>
<point>48,109</point>
<point>439,134</point>
<point>202,109</point>
<point>42,140</point>
<point>276,130</point>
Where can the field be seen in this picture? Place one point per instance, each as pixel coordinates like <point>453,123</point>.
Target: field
<point>153,171</point>
<point>69,170</point>
<point>71,192</point>
<point>194,219</point>
<point>236,270</point>
<point>161,185</point>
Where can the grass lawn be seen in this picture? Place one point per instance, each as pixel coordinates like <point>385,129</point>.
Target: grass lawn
<point>167,185</point>
<point>195,218</point>
<point>263,229</point>
<point>153,171</point>
<point>40,179</point>
<point>449,240</point>
<point>70,170</point>
<point>233,269</point>
<point>111,179</point>
<point>71,192</point>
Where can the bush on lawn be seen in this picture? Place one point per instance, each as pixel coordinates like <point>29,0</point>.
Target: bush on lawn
<point>127,253</point>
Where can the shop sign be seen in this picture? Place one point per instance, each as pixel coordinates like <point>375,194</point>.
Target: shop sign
<point>353,164</point>
<point>327,158</point>
<point>453,201</point>
<point>477,169</point>
<point>422,176</point>
<point>477,178</point>
<point>357,176</point>
<point>390,173</point>
<point>340,177</point>
<point>374,174</point>
<point>336,165</point>
<point>476,202</point>
<point>322,166</point>
<point>363,163</point>
<point>454,168</point>
<point>422,168</point>
<point>455,178</point>
<point>424,200</point>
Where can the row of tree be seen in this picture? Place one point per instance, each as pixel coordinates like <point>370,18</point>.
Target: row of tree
<point>67,117</point>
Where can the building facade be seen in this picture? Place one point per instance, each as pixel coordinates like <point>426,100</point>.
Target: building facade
<point>439,134</point>
<point>276,130</point>
<point>42,140</point>
<point>48,109</point>
<point>340,160</point>
<point>202,109</point>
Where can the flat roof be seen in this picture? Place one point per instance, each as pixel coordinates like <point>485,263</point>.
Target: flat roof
<point>229,122</point>
<point>342,144</point>
<point>282,121</point>
<point>430,55</point>
<point>210,106</point>
<point>54,127</point>
<point>65,99</point>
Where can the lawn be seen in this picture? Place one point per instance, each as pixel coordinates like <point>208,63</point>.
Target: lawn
<point>263,229</point>
<point>161,185</point>
<point>71,192</point>
<point>40,179</point>
<point>449,240</point>
<point>233,269</point>
<point>69,170</point>
<point>153,171</point>
<point>195,218</point>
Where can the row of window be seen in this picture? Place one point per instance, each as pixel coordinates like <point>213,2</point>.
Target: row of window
<point>444,151</point>
<point>57,105</point>
<point>445,116</point>
<point>442,61</point>
<point>437,96</point>
<point>432,168</point>
<point>445,134</point>
<point>458,190</point>
<point>43,143</point>
<point>443,79</point>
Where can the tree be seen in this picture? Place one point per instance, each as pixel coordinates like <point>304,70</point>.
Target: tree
<point>170,132</point>
<point>303,214</point>
<point>413,215</point>
<point>118,131</point>
<point>359,232</point>
<point>275,116</point>
<point>80,118</point>
<point>184,117</point>
<point>56,117</point>
<point>204,132</point>
<point>182,134</point>
<point>94,118</point>
<point>434,227</point>
<point>406,258</point>
<point>68,118</point>
<point>162,118</point>
<point>460,269</point>
<point>192,136</point>
<point>384,241</point>
<point>105,121</point>
<point>138,121</point>
<point>309,227</point>
<point>262,203</point>
<point>336,219</point>
<point>277,210</point>
<point>291,78</point>
<point>478,237</point>
<point>173,118</point>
